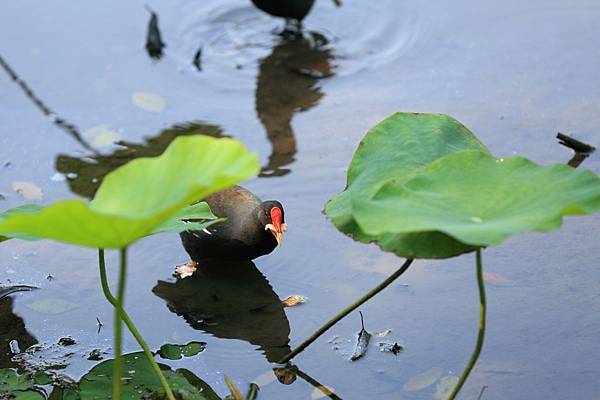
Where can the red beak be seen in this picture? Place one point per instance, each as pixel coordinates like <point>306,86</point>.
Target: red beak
<point>277,227</point>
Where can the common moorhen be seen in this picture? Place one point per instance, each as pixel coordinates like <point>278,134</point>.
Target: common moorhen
<point>253,228</point>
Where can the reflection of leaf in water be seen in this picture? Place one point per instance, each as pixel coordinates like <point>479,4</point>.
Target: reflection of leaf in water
<point>101,136</point>
<point>28,190</point>
<point>423,380</point>
<point>88,171</point>
<point>52,306</point>
<point>286,84</point>
<point>178,351</point>
<point>444,387</point>
<point>231,300</point>
<point>148,101</point>
<point>140,381</point>
<point>12,327</point>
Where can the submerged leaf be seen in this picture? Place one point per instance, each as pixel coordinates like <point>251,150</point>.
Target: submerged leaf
<point>480,200</point>
<point>52,306</point>
<point>135,199</point>
<point>395,150</point>
<point>28,190</point>
<point>149,101</point>
<point>444,387</point>
<point>101,136</point>
<point>423,380</point>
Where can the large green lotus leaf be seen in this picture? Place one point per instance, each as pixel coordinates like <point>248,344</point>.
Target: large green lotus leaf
<point>25,208</point>
<point>138,197</point>
<point>140,382</point>
<point>397,149</point>
<point>479,200</point>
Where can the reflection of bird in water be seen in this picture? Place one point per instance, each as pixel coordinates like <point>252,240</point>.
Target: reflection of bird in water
<point>231,300</point>
<point>84,174</point>
<point>252,229</point>
<point>287,83</point>
<point>12,328</point>
<point>154,43</point>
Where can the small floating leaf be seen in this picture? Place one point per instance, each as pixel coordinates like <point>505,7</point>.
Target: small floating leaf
<point>52,306</point>
<point>294,300</point>
<point>28,190</point>
<point>177,352</point>
<point>423,380</point>
<point>149,101</point>
<point>101,136</point>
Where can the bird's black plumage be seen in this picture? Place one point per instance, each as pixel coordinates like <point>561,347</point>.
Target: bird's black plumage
<point>289,9</point>
<point>242,236</point>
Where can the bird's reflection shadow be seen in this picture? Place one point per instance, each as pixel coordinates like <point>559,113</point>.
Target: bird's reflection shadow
<point>287,83</point>
<point>231,300</point>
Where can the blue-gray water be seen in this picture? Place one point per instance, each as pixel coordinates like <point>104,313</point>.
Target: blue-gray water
<point>514,73</point>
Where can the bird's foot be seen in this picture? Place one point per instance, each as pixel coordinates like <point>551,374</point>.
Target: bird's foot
<point>185,270</point>
<point>292,30</point>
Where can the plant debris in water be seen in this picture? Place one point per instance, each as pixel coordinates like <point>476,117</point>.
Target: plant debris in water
<point>362,342</point>
<point>66,341</point>
<point>390,347</point>
<point>294,300</point>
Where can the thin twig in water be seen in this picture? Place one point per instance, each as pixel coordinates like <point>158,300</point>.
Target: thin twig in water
<point>57,120</point>
<point>481,393</point>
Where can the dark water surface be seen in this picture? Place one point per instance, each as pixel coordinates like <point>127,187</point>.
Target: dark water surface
<point>513,72</point>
